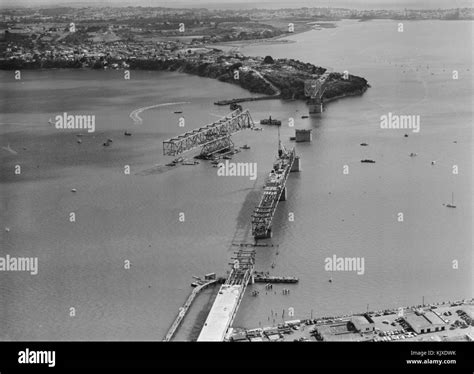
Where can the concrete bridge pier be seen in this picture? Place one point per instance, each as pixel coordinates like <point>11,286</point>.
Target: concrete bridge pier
<point>267,235</point>
<point>316,107</point>
<point>296,164</point>
<point>283,195</point>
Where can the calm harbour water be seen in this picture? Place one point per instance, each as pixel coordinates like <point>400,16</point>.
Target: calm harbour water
<point>131,217</point>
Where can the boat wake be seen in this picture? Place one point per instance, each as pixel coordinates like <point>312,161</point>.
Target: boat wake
<point>9,149</point>
<point>138,120</point>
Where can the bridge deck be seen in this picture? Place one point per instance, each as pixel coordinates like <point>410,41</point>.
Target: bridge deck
<point>228,299</point>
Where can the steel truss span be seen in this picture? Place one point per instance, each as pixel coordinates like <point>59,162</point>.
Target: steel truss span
<point>217,133</point>
<point>262,216</point>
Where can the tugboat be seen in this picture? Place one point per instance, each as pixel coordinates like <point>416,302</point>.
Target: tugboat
<point>270,121</point>
<point>235,106</point>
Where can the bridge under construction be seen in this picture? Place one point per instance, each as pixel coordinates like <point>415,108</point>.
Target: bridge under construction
<point>213,138</point>
<point>228,298</point>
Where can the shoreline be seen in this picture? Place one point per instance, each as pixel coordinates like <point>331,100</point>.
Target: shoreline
<point>329,324</point>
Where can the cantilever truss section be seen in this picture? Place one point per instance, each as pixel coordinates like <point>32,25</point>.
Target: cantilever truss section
<point>314,88</point>
<point>262,216</point>
<point>211,137</point>
<point>242,267</point>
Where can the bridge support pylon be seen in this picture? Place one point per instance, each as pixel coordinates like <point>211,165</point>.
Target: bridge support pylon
<point>296,164</point>
<point>283,195</point>
<point>316,107</point>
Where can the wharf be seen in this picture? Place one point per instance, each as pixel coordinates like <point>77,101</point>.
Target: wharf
<point>244,99</point>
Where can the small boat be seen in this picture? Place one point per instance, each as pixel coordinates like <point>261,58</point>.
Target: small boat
<point>368,161</point>
<point>364,144</point>
<point>330,280</point>
<point>245,146</point>
<point>79,141</point>
<point>190,162</point>
<point>73,190</point>
<point>413,154</point>
<point>226,157</point>
<point>215,162</point>
<point>106,144</point>
<point>50,121</point>
<point>406,135</point>
<point>452,202</point>
<point>433,162</point>
<point>178,112</point>
<point>109,140</point>
<point>257,129</point>
<point>304,116</point>
<point>126,133</point>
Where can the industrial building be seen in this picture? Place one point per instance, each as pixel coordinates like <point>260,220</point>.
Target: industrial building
<point>425,322</point>
<point>363,323</point>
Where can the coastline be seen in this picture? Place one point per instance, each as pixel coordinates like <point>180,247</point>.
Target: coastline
<point>385,325</point>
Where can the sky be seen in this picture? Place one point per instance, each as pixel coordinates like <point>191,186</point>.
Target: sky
<point>229,4</point>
